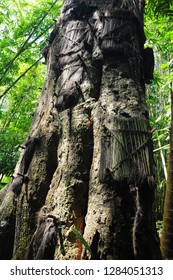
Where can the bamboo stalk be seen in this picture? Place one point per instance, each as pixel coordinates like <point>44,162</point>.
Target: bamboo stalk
<point>162,158</point>
<point>167,233</point>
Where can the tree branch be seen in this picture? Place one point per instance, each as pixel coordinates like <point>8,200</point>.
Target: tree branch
<point>23,74</point>
<point>23,47</point>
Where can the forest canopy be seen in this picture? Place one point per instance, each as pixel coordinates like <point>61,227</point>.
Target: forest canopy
<point>25,27</point>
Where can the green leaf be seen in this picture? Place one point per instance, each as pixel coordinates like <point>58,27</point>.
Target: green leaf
<point>164,65</point>
<point>83,241</point>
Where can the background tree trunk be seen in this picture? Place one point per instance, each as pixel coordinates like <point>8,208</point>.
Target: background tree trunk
<point>167,232</point>
<point>88,159</point>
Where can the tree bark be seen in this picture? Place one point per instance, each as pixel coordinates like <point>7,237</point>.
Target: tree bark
<point>167,232</point>
<point>88,160</point>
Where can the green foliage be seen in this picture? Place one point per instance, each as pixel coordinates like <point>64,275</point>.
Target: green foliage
<point>25,26</point>
<point>160,37</point>
<point>160,7</point>
<point>159,226</point>
<point>16,117</point>
<point>6,179</point>
<point>82,240</point>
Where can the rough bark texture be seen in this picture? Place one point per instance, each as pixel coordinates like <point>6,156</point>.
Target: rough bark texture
<point>88,161</point>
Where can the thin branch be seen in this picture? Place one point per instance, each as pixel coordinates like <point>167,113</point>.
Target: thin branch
<point>162,148</point>
<point>163,159</point>
<point>11,117</point>
<point>18,79</point>
<point>23,47</point>
<point>40,35</point>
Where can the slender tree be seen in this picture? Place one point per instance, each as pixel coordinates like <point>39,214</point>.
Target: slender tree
<point>167,233</point>
<point>87,163</point>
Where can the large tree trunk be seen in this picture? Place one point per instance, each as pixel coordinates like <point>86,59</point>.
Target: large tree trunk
<point>88,160</point>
